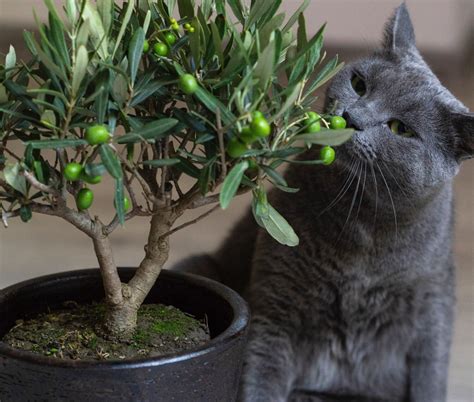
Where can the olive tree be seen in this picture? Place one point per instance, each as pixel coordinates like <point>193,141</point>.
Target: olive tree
<point>149,92</point>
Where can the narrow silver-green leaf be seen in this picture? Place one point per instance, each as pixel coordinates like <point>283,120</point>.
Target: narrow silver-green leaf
<point>56,144</point>
<point>212,103</point>
<point>154,130</point>
<point>80,69</point>
<point>264,69</point>
<point>96,29</point>
<point>10,60</point>
<point>119,200</point>
<point>162,162</point>
<point>276,177</point>
<point>14,178</point>
<point>232,183</point>
<point>290,100</point>
<point>106,12</point>
<point>126,20</point>
<point>327,137</point>
<point>71,11</point>
<point>110,161</point>
<point>146,23</point>
<point>296,15</point>
<point>135,52</point>
<point>279,228</point>
<point>3,94</point>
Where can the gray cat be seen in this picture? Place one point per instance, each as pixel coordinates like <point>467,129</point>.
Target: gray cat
<point>362,309</point>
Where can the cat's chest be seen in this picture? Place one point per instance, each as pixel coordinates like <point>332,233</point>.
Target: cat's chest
<point>362,338</point>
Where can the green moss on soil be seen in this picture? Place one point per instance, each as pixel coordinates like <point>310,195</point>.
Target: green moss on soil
<point>74,333</point>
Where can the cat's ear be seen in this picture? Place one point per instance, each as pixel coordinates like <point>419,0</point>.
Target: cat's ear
<point>399,32</point>
<point>464,125</point>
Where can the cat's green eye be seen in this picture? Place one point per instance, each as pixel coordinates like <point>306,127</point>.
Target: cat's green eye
<point>398,128</point>
<point>358,85</point>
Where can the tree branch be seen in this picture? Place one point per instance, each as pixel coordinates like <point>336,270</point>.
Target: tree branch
<point>220,136</point>
<point>108,229</point>
<point>40,186</point>
<point>193,221</point>
<point>157,252</point>
<point>212,199</point>
<point>108,269</point>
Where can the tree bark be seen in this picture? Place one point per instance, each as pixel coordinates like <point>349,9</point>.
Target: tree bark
<point>157,253</point>
<point>124,300</point>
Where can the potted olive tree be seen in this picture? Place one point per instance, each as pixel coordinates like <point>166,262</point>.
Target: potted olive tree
<point>149,92</point>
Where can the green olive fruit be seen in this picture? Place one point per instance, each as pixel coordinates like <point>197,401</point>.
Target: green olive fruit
<point>311,117</point>
<point>260,127</point>
<point>161,49</point>
<point>314,127</point>
<point>327,155</point>
<point>146,46</point>
<point>91,179</point>
<point>97,135</point>
<point>188,84</point>
<point>257,114</point>
<point>248,136</point>
<point>170,38</point>
<point>236,148</point>
<point>84,199</point>
<point>126,204</point>
<point>72,171</point>
<point>337,123</point>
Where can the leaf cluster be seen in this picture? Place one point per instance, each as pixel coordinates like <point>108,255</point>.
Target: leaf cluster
<point>90,66</point>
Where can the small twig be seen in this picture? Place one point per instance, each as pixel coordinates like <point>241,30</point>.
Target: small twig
<point>8,215</point>
<point>178,188</point>
<point>192,222</point>
<point>220,136</point>
<point>164,170</point>
<point>140,179</point>
<point>108,229</point>
<point>12,154</point>
<point>212,199</point>
<point>40,186</point>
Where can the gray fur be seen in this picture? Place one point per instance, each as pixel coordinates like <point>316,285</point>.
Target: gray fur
<point>362,309</point>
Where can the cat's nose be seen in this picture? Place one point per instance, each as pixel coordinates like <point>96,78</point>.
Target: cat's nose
<point>351,123</point>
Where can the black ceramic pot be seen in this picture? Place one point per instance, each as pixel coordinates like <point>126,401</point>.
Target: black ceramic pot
<point>209,373</point>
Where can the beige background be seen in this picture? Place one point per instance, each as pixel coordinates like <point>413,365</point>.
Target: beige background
<point>443,30</point>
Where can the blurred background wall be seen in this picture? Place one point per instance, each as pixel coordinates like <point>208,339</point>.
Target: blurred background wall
<point>445,35</point>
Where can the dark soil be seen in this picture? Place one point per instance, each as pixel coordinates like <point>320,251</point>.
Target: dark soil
<point>74,333</point>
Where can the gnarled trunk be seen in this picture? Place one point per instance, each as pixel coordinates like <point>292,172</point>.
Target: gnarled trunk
<point>124,300</point>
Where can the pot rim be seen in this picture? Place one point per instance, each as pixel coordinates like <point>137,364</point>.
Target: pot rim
<point>223,341</point>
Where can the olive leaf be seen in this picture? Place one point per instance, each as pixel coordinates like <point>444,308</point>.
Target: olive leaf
<point>96,28</point>
<point>279,228</point>
<point>327,137</point>
<point>231,184</point>
<point>110,161</point>
<point>154,130</point>
<point>80,68</point>
<point>135,52</point>
<point>10,61</point>
<point>13,176</point>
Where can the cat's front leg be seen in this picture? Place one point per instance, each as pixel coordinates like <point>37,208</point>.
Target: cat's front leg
<point>428,359</point>
<point>269,369</point>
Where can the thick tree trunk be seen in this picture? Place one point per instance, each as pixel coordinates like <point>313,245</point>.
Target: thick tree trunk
<point>157,253</point>
<point>124,300</point>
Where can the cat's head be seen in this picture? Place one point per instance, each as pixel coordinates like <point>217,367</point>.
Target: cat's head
<point>406,121</point>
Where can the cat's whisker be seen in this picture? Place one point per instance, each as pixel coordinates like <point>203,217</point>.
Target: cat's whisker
<point>362,193</point>
<point>391,200</point>
<point>344,188</point>
<point>376,193</point>
<point>398,185</point>
<point>354,198</point>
